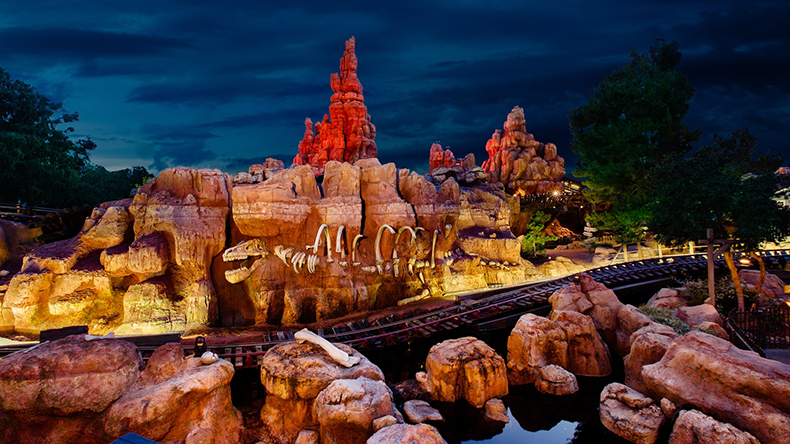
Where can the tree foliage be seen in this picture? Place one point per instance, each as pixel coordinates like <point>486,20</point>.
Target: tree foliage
<point>632,123</point>
<point>534,240</point>
<point>40,164</point>
<point>727,187</point>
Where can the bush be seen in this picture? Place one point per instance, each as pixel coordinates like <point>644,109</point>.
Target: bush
<point>696,292</point>
<point>664,316</point>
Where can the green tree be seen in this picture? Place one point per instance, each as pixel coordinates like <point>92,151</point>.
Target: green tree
<point>632,123</point>
<point>39,164</point>
<point>534,240</point>
<point>727,187</point>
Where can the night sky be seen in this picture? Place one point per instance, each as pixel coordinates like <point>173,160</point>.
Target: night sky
<point>227,84</point>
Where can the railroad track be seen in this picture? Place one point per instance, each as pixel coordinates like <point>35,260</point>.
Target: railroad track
<point>473,309</point>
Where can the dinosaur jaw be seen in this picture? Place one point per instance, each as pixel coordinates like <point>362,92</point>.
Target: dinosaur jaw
<point>236,275</point>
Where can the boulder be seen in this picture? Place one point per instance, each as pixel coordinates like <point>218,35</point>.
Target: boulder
<point>668,298</point>
<point>694,427</point>
<point>773,286</point>
<point>696,315</point>
<point>648,346</point>
<point>629,320</point>
<point>587,353</point>
<point>555,380</point>
<point>347,408</point>
<point>630,414</point>
<point>733,385</point>
<point>714,329</point>
<point>293,375</point>
<point>465,368</point>
<point>496,410</point>
<point>68,376</point>
<point>533,343</point>
<point>194,403</point>
<point>594,300</point>
<point>407,434</point>
<point>419,411</point>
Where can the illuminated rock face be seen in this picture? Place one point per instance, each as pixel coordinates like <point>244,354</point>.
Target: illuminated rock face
<point>346,134</point>
<point>92,391</point>
<point>521,163</point>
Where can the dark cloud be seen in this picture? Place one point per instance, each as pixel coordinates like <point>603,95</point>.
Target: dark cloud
<point>241,76</point>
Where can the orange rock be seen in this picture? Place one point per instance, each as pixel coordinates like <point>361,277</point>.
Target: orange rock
<point>347,408</point>
<point>465,368</point>
<point>733,385</point>
<point>346,134</point>
<point>630,414</point>
<point>648,345</point>
<point>522,164</point>
<point>440,157</point>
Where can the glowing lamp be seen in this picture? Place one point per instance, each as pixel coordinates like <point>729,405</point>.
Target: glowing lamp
<point>555,192</point>
<point>745,261</point>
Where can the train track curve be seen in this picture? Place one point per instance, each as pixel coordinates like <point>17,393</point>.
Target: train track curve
<point>473,309</point>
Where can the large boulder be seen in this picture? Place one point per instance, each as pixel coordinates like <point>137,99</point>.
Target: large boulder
<point>178,399</point>
<point>773,286</point>
<point>694,427</point>
<point>668,298</point>
<point>629,320</point>
<point>648,345</point>
<point>733,385</point>
<point>347,408</point>
<point>407,434</point>
<point>698,314</point>
<point>594,300</point>
<point>630,414</point>
<point>534,343</point>
<point>587,353</point>
<point>293,375</point>
<point>465,368</point>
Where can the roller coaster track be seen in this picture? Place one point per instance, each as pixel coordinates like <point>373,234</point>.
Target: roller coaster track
<point>471,309</point>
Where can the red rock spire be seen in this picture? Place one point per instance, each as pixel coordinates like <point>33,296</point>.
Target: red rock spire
<point>346,134</point>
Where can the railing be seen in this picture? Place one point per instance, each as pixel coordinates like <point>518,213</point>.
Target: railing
<point>767,327</point>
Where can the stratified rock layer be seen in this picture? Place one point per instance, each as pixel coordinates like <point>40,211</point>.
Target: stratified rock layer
<point>346,134</point>
<point>693,427</point>
<point>630,414</point>
<point>522,164</point>
<point>733,385</point>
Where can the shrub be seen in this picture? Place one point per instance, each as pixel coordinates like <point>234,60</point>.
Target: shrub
<point>664,316</point>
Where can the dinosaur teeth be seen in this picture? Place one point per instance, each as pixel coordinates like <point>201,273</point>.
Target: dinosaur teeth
<point>237,275</point>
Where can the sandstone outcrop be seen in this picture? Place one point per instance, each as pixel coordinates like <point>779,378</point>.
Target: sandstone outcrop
<point>773,286</point>
<point>419,411</point>
<point>166,236</point>
<point>293,376</point>
<point>568,340</point>
<point>407,434</point>
<point>80,389</point>
<point>694,427</point>
<point>440,157</point>
<point>698,314</point>
<point>648,346</point>
<point>735,386</point>
<point>630,414</point>
<point>347,408</point>
<point>346,134</point>
<point>465,368</point>
<point>496,410</point>
<point>522,164</point>
<point>444,166</point>
<point>668,298</point>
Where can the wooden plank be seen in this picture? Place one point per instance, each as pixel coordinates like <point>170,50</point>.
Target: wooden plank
<point>259,349</point>
<point>239,361</point>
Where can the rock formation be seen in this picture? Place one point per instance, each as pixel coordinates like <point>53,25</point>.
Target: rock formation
<point>648,346</point>
<point>464,368</point>
<point>773,286</point>
<point>79,389</point>
<point>347,408</point>
<point>522,164</point>
<point>346,134</point>
<point>407,434</point>
<point>138,265</point>
<point>630,414</point>
<point>294,375</point>
<point>692,427</point>
<point>735,386</point>
<point>567,340</point>
<point>443,166</point>
<point>440,157</point>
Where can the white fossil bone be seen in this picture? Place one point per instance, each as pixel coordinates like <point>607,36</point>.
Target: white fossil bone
<point>379,259</point>
<point>341,357</point>
<point>395,267</point>
<point>369,269</point>
<point>298,260</point>
<point>411,265</point>
<point>397,237</point>
<point>312,260</point>
<point>343,264</point>
<point>283,253</point>
<point>327,237</point>
<point>339,242</point>
<point>433,248</point>
<point>447,229</point>
<point>422,278</point>
<point>425,293</point>
<point>354,245</point>
<point>208,358</point>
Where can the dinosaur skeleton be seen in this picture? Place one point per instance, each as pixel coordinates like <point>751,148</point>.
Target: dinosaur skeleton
<point>243,251</point>
<point>354,245</point>
<point>283,253</point>
<point>339,243</point>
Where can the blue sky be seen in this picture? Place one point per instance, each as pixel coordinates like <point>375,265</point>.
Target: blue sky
<point>227,84</point>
